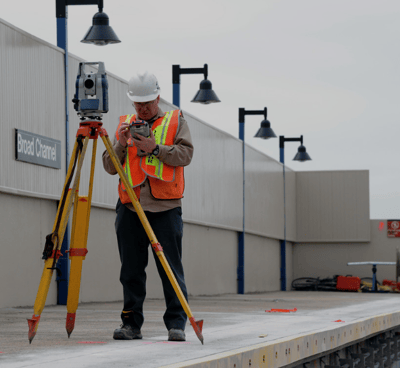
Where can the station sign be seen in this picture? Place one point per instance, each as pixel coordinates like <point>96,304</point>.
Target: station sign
<point>393,228</point>
<point>37,149</point>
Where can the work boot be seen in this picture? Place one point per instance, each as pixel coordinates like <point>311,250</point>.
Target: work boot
<point>127,332</point>
<point>175,334</point>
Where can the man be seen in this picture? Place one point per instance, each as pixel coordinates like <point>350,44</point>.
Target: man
<point>154,166</point>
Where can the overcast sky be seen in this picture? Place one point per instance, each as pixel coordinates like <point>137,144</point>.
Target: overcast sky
<point>327,70</point>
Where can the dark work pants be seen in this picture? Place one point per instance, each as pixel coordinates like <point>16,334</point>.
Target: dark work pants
<point>133,245</point>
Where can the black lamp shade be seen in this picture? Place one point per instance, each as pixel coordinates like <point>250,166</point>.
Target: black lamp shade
<point>265,131</point>
<point>301,154</point>
<point>205,95</point>
<point>100,33</point>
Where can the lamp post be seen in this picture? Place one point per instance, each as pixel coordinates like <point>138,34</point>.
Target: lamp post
<point>301,156</point>
<point>264,132</point>
<point>205,95</point>
<point>99,34</point>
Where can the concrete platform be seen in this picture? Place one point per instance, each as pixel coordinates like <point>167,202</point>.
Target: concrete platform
<point>237,331</point>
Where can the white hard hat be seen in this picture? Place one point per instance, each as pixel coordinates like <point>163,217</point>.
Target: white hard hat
<point>143,88</point>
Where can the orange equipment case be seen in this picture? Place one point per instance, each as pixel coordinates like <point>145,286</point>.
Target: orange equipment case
<point>348,283</point>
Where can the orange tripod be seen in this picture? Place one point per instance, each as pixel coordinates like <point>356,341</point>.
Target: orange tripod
<point>80,227</point>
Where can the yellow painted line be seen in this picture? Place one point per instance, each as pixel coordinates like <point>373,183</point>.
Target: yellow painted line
<point>288,350</point>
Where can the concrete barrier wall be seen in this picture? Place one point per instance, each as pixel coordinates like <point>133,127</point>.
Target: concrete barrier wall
<point>262,264</point>
<point>209,257</point>
<point>24,224</point>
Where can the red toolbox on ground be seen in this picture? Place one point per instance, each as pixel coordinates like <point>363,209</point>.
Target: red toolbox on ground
<point>348,283</point>
<point>393,284</point>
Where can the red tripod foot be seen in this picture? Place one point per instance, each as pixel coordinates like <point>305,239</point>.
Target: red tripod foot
<point>33,324</point>
<point>197,327</point>
<point>70,324</point>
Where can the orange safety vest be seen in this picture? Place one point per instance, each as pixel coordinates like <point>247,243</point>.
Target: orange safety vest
<point>166,181</point>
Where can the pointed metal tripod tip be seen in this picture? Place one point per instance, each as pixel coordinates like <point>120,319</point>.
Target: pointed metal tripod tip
<point>200,337</point>
<point>70,323</point>
<point>33,324</point>
<point>198,328</point>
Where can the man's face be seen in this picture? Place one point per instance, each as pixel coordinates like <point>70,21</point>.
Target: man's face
<point>147,110</point>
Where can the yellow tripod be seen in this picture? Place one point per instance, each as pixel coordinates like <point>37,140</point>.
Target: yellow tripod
<point>80,227</point>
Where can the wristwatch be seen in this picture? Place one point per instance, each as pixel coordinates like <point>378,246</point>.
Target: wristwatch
<point>156,150</point>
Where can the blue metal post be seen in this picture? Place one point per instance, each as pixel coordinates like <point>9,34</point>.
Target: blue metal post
<point>282,155</point>
<point>240,269</point>
<point>176,96</point>
<point>374,288</point>
<point>283,242</point>
<point>63,262</point>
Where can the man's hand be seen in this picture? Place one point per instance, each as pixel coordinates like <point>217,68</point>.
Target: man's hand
<point>124,134</point>
<point>145,144</point>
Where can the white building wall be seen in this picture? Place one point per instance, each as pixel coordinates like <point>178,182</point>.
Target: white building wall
<point>32,99</point>
<point>213,180</point>
<point>32,85</point>
<point>212,207</point>
<point>213,187</point>
<point>333,206</point>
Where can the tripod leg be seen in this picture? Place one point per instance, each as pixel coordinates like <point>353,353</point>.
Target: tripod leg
<point>77,255</point>
<point>41,295</point>
<point>47,271</point>
<point>57,238</point>
<point>66,186</point>
<point>73,189</point>
<point>78,249</point>
<point>197,326</point>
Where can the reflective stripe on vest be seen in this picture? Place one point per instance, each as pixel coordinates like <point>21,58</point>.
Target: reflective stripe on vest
<point>127,166</point>
<point>151,165</point>
<point>166,182</point>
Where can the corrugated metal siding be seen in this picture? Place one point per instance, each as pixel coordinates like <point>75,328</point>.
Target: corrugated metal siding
<point>32,99</point>
<point>213,188</point>
<point>291,215</point>
<point>31,89</point>
<point>333,206</point>
<point>264,196</point>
